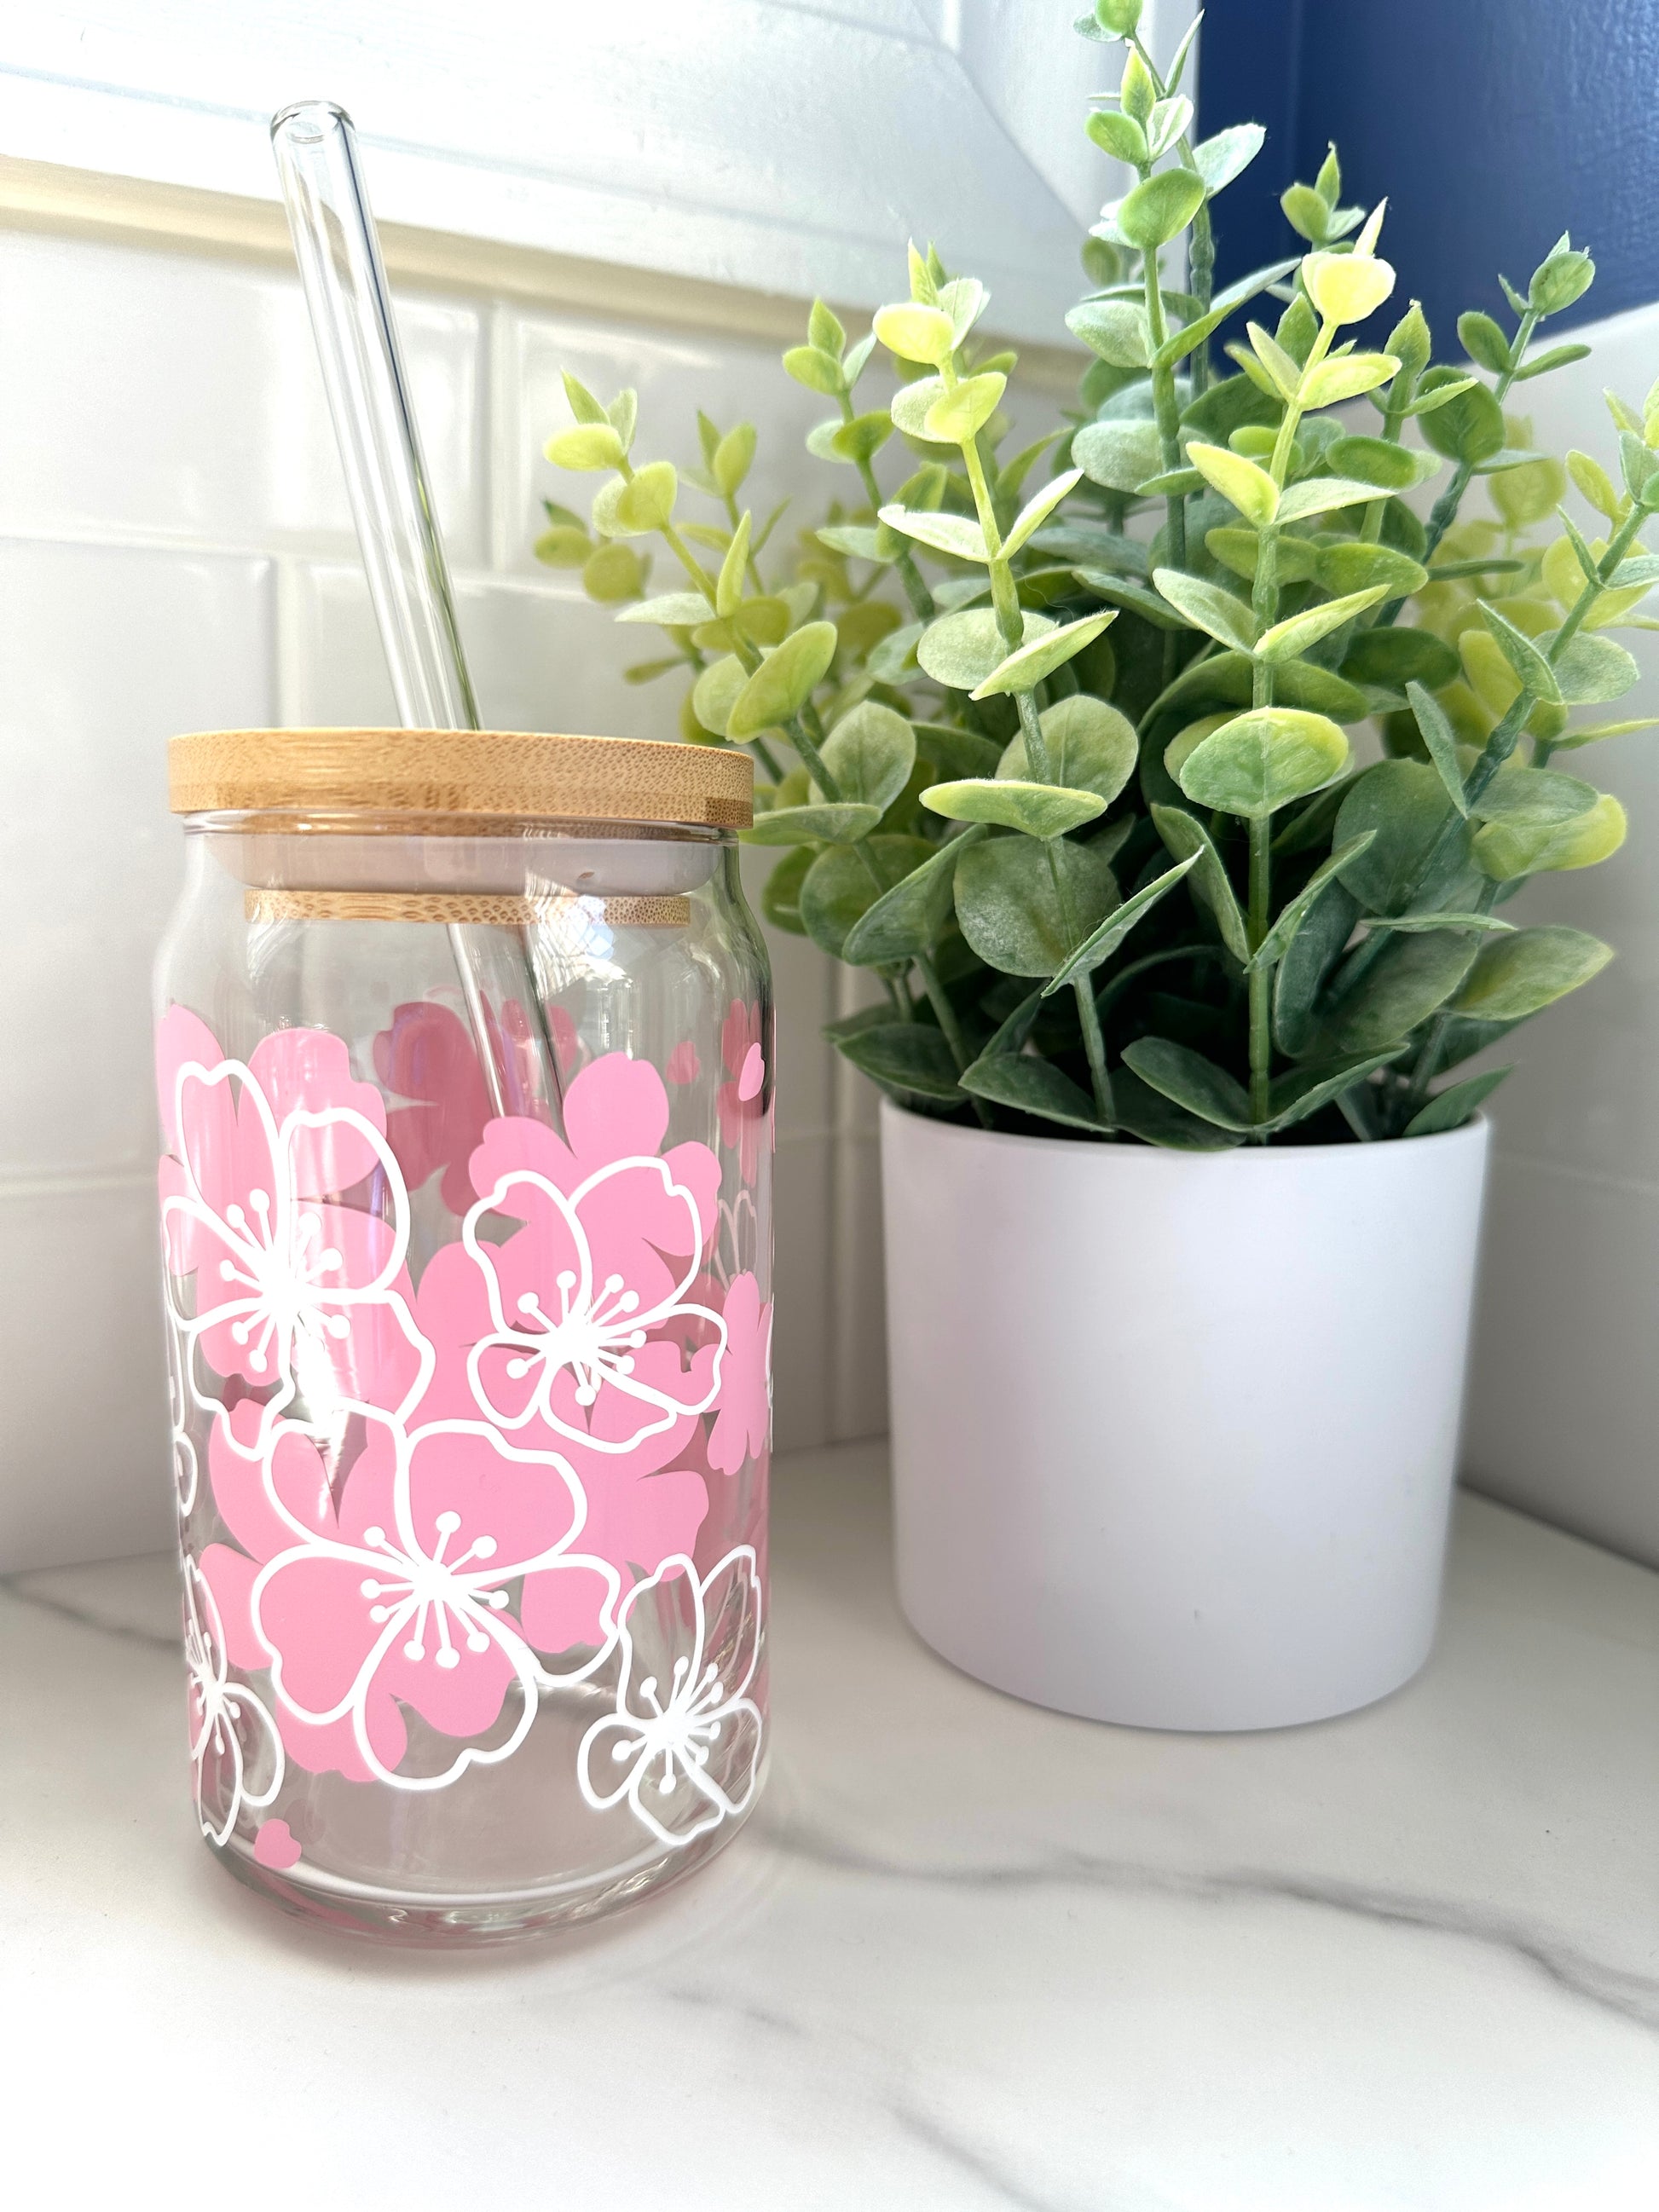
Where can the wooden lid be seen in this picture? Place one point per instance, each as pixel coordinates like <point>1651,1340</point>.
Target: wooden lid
<point>509,773</point>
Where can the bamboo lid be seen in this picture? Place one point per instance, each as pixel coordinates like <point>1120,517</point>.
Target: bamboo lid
<point>509,773</point>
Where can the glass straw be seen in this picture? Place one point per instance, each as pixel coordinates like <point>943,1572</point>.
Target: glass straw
<point>338,252</point>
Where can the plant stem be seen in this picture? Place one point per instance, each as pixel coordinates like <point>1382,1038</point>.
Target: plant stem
<point>914,584</point>
<point>951,1028</point>
<point>1164,408</point>
<point>1260,978</point>
<point>1094,1045</point>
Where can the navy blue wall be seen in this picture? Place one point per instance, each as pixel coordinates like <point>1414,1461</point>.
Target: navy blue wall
<point>1492,125</point>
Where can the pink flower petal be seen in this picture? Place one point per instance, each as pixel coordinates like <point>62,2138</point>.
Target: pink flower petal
<point>275,1846</point>
<point>753,1074</point>
<point>427,1054</point>
<point>683,1065</point>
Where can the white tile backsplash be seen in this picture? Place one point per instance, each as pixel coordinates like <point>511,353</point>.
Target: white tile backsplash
<point>104,652</point>
<point>84,1448</point>
<point>171,395</point>
<point>175,553</point>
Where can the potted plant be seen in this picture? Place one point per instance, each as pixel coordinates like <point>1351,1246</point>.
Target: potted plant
<point>1172,992</point>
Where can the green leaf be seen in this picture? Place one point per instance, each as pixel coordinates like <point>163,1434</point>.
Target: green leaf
<point>1451,1108</point>
<point>1038,810</point>
<point>1592,732</point>
<point>1411,977</point>
<point>1090,747</point>
<point>1430,400</point>
<point>839,890</point>
<point>1116,330</point>
<point>1118,455</point>
<point>1592,667</point>
<point>1290,917</point>
<point>1344,376</point>
<point>957,534</point>
<point>1148,1115</point>
<point>645,502</point>
<point>855,538</point>
<point>1193,1082</point>
<point>565,546</point>
<point>1007,906</point>
<point>964,301</point>
<point>1484,342</point>
<point>1124,591</point>
<point>716,691</point>
<point>588,445</point>
<point>1258,762</point>
<point>1297,632</point>
<point>1039,657</point>
<point>1379,461</point>
<point>1322,495</point>
<point>1468,427</point>
<point>613,572</point>
<point>1220,614</point>
<point>1225,679</point>
<point>1104,941</point>
<point>784,682</point>
<point>1507,850</point>
<point>1029,1085</point>
<point>1594,485</point>
<point>1306,962</point>
<point>1442,741</point>
<point>1439,918</point>
<point>910,918</point>
<point>863,438</point>
<point>819,823</point>
<point>909,1056</point>
<point>1250,488</point>
<point>962,650</point>
<point>728,589</point>
<point>1185,836</point>
<point>1118,135</point>
<point>1293,1096</point>
<point>779,895</point>
<point>1535,796</point>
<point>1406,803</point>
<point>733,457</point>
<point>870,752</point>
<point>915,332</point>
<point>673,609</point>
<point>1557,357</point>
<point>1225,156</point>
<point>1394,657</point>
<point>1159,207</point>
<point>1564,277</point>
<point>957,753</point>
<point>1530,969</point>
<point>1354,565</point>
<point>959,414</point>
<point>1523,655</point>
<point>1037,509</point>
<point>811,366</point>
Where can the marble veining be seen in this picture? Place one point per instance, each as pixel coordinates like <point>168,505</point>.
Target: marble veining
<point>967,1953</point>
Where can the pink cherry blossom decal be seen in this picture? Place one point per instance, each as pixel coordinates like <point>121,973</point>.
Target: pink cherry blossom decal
<point>743,1425</point>
<point>276,1846</point>
<point>584,1302</point>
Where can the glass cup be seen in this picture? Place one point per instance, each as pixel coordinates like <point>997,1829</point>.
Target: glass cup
<point>464,1055</point>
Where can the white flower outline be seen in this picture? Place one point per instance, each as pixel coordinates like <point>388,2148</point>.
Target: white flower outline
<point>677,1736</point>
<point>436,1586</point>
<point>223,1704</point>
<point>286,1225</point>
<point>597,1341</point>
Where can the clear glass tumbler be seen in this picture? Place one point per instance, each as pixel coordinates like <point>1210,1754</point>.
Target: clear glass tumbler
<point>464,1057</point>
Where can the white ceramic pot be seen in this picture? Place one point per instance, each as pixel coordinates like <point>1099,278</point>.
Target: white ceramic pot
<point>1175,1433</point>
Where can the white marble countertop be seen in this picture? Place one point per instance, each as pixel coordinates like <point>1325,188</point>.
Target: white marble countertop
<point>967,1954</point>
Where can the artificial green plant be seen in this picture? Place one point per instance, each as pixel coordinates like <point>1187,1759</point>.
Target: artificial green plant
<point>1067,771</point>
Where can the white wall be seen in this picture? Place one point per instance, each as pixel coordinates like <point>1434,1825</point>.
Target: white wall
<point>788,145</point>
<point>175,553</point>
